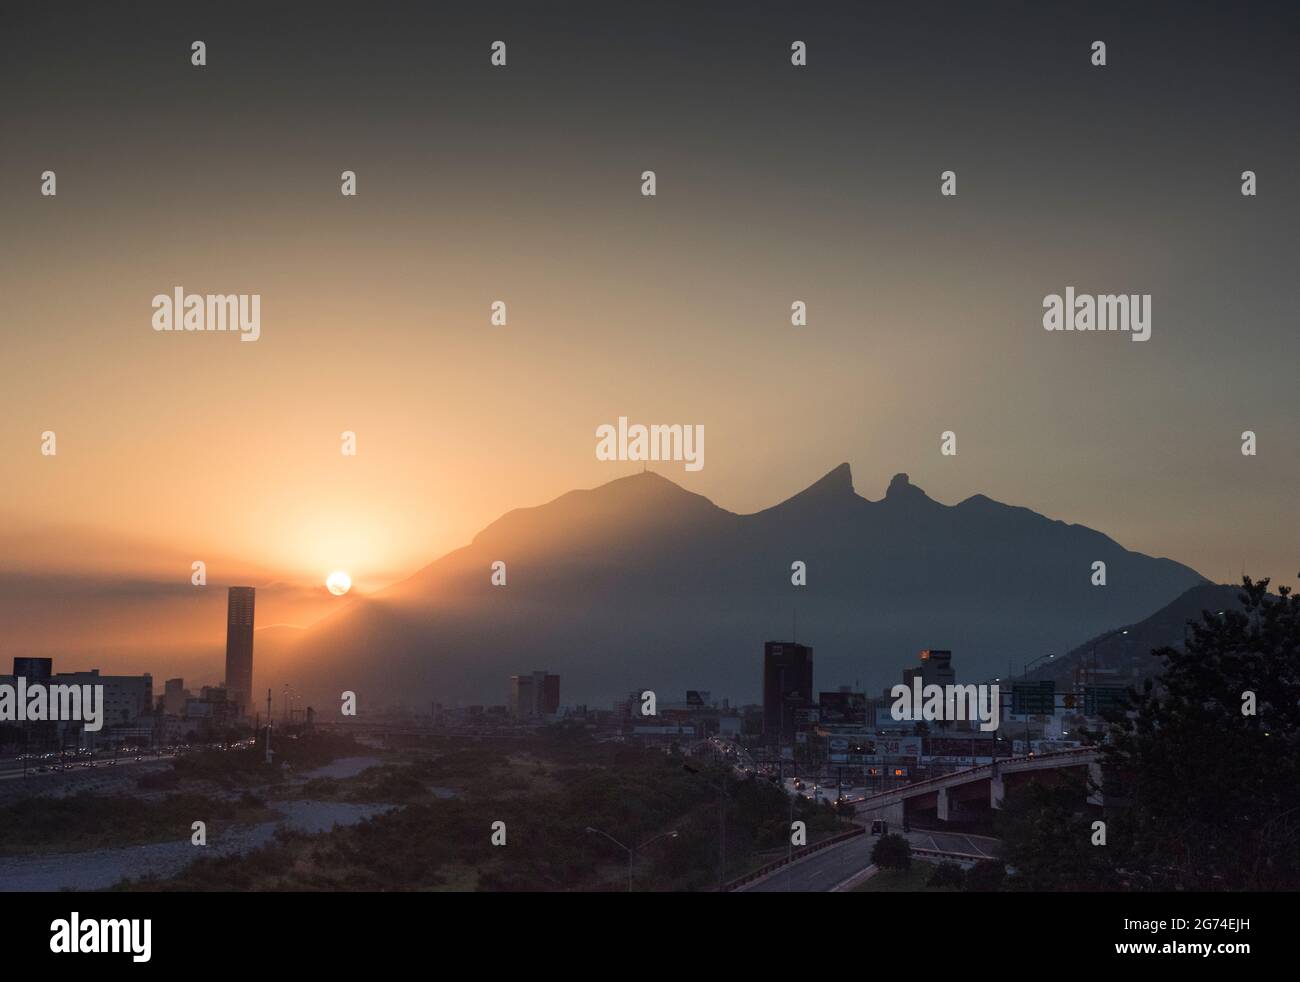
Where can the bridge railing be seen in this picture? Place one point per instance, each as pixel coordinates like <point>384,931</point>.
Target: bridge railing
<point>798,854</point>
<point>960,857</point>
<point>907,789</point>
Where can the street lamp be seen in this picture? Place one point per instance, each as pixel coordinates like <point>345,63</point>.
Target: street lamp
<point>631,851</point>
<point>1029,665</point>
<point>722,818</point>
<point>1100,640</point>
<point>1025,675</point>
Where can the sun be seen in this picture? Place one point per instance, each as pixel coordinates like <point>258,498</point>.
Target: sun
<point>338,583</point>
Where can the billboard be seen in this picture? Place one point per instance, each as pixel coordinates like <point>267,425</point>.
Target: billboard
<point>897,746</point>
<point>1101,699</point>
<point>966,747</point>
<point>1033,698</point>
<point>857,748</point>
<point>843,708</point>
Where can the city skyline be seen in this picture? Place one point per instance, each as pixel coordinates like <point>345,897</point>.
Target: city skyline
<point>598,448</point>
<point>820,185</point>
<point>190,606</point>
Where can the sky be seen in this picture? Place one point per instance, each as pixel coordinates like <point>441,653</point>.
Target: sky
<point>523,184</point>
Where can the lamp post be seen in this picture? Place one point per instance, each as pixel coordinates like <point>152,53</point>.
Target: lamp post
<point>1100,640</point>
<point>722,820</point>
<point>630,850</point>
<point>1024,675</point>
<point>789,856</point>
<point>1031,664</point>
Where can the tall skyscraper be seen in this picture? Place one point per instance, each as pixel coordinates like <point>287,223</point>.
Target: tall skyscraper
<point>549,703</point>
<point>239,648</point>
<point>534,695</point>
<point>521,696</point>
<point>787,688</point>
<point>935,668</point>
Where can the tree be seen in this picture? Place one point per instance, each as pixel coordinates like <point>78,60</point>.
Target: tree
<point>947,875</point>
<point>892,851</point>
<point>1047,839</point>
<point>1209,756</point>
<point>986,876</point>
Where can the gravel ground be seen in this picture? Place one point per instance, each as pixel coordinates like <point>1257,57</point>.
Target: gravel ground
<point>342,768</point>
<point>101,868</point>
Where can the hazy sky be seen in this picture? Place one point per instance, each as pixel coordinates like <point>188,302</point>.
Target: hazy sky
<point>522,184</point>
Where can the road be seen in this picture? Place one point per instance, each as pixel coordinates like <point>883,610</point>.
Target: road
<point>819,872</point>
<point>822,871</point>
<point>10,770</point>
<point>975,845</point>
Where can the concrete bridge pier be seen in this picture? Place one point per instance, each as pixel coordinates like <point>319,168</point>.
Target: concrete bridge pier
<point>895,814</point>
<point>949,808</point>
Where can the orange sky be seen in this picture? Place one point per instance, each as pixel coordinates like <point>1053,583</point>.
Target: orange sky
<point>924,312</point>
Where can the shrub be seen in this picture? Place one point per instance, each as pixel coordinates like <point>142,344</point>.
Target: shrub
<point>986,876</point>
<point>892,852</point>
<point>947,875</point>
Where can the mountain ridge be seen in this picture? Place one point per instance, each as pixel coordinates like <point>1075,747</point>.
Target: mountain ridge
<point>640,582</point>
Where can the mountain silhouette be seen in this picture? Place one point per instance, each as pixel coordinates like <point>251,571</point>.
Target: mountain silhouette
<point>1126,658</point>
<point>639,583</point>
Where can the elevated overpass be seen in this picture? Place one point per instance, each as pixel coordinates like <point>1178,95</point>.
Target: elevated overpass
<point>969,795</point>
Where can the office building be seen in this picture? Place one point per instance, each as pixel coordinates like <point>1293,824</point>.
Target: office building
<point>935,669</point>
<point>33,669</point>
<point>175,695</point>
<point>520,698</point>
<point>787,688</point>
<point>239,648</point>
<point>534,696</point>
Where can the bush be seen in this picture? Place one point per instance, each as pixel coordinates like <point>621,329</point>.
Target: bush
<point>158,781</point>
<point>892,852</point>
<point>986,876</point>
<point>947,875</point>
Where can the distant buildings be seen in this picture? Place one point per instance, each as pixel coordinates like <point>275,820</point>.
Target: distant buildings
<point>127,707</point>
<point>935,669</point>
<point>239,648</point>
<point>175,695</point>
<point>126,697</point>
<point>33,669</point>
<point>534,696</point>
<point>843,708</point>
<point>787,688</point>
<point>214,707</point>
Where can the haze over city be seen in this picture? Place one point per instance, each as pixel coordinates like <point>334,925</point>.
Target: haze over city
<point>924,312</point>
<point>649,447</point>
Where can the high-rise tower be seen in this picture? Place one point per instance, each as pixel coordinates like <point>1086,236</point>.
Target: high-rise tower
<point>239,648</point>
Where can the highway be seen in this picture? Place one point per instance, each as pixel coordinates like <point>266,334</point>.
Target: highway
<point>10,769</point>
<point>819,872</point>
<point>822,871</point>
